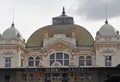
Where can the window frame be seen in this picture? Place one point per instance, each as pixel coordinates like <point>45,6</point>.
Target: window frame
<point>31,61</point>
<point>61,60</point>
<point>108,60</point>
<point>88,61</point>
<point>81,61</point>
<point>8,62</point>
<point>37,61</point>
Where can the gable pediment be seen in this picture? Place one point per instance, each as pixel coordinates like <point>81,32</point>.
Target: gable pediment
<point>59,45</point>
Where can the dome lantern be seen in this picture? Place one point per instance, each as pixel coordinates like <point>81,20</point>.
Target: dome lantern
<point>63,19</point>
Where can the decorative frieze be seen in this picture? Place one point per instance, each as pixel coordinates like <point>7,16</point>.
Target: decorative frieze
<point>9,52</point>
<point>107,50</point>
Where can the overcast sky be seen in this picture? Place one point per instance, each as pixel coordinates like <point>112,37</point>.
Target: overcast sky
<point>30,15</point>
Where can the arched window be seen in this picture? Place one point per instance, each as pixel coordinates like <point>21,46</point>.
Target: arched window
<point>81,61</point>
<point>88,60</point>
<point>30,61</point>
<point>60,57</point>
<point>37,61</point>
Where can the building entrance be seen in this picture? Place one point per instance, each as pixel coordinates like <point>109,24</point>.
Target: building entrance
<point>7,78</point>
<point>56,77</point>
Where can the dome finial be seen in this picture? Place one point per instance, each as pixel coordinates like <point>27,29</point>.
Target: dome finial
<point>13,19</point>
<point>13,24</point>
<point>106,22</point>
<point>63,12</point>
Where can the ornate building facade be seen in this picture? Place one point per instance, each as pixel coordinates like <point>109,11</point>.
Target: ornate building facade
<point>61,52</point>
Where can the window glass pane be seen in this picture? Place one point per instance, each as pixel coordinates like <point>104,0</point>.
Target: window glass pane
<point>31,61</point>
<point>59,55</point>
<point>8,62</point>
<point>88,60</point>
<point>66,56</point>
<point>52,56</point>
<point>108,60</point>
<point>51,62</point>
<point>81,62</point>
<point>36,63</point>
<point>37,60</point>
<point>66,62</point>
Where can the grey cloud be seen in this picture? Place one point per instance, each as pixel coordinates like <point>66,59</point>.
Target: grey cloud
<point>96,9</point>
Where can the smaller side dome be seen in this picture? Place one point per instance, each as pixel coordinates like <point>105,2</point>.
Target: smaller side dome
<point>107,30</point>
<point>12,33</point>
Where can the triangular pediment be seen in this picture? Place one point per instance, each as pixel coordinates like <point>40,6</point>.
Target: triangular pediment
<point>59,44</point>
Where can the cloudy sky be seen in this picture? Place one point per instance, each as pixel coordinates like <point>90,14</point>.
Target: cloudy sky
<point>30,15</point>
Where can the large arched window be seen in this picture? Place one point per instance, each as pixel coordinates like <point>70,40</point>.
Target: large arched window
<point>88,60</point>
<point>59,57</point>
<point>31,61</point>
<point>37,61</point>
<point>81,61</point>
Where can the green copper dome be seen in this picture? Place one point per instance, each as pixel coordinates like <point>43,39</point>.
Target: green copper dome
<point>82,36</point>
<point>62,24</point>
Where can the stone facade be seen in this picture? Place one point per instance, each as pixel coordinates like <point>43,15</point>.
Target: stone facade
<point>59,55</point>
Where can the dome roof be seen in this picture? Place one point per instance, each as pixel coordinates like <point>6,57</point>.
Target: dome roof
<point>11,33</point>
<point>62,24</point>
<point>83,37</point>
<point>107,30</point>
